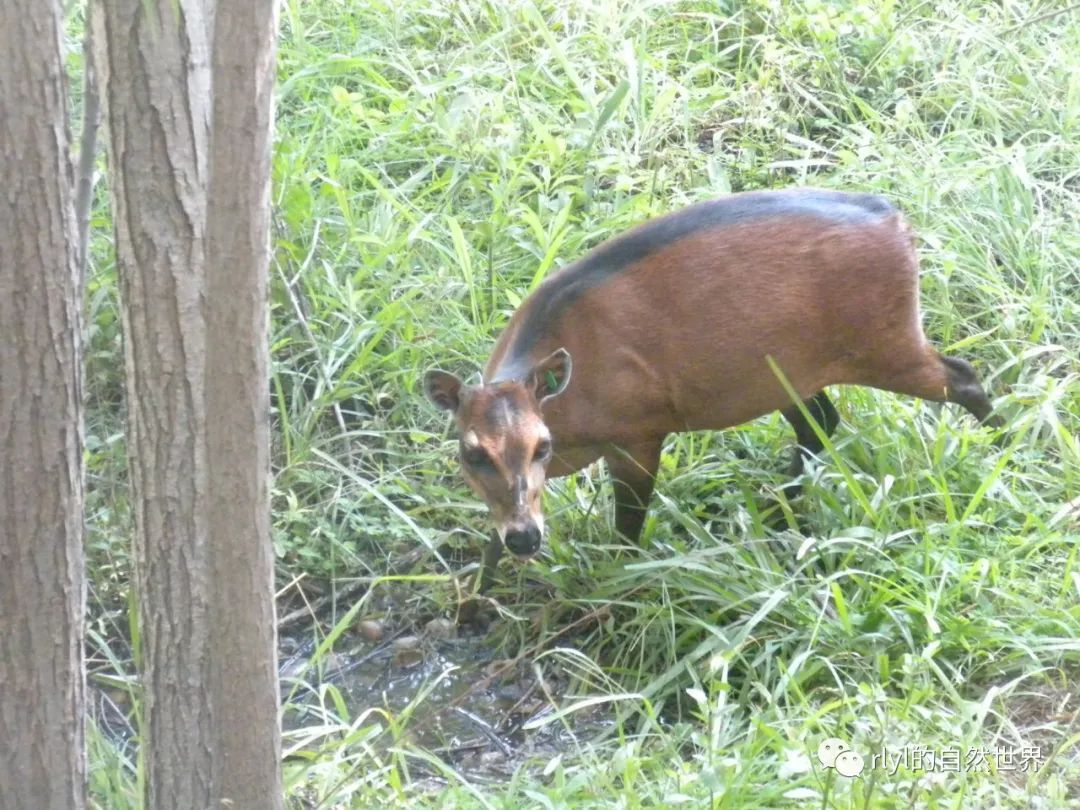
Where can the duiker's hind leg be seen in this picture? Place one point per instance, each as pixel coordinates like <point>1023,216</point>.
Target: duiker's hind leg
<point>939,378</point>
<point>807,443</point>
<point>963,388</point>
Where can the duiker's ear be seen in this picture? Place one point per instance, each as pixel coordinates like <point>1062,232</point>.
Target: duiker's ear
<point>443,389</point>
<point>549,377</point>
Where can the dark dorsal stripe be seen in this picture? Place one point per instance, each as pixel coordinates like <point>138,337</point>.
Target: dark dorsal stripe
<point>556,295</point>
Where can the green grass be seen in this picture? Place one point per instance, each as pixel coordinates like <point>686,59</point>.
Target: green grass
<point>435,161</point>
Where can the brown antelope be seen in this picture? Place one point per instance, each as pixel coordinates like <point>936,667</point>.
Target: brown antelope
<point>670,327</point>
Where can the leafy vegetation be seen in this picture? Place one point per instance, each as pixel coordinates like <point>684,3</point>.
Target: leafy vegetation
<point>434,162</point>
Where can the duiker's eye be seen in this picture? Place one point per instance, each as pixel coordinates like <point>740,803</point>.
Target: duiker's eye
<point>476,457</point>
<point>543,450</point>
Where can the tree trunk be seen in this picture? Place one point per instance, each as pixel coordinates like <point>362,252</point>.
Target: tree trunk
<point>153,61</point>
<point>243,660</point>
<point>42,595</point>
<point>189,149</point>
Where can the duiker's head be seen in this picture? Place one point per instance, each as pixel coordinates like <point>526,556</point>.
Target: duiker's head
<point>505,446</point>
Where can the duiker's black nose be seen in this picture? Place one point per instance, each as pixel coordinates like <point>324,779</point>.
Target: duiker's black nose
<point>523,542</point>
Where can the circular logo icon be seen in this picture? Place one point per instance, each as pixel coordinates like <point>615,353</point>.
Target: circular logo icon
<point>830,749</point>
<point>849,763</point>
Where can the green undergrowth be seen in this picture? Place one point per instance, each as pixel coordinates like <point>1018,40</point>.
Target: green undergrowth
<point>434,162</point>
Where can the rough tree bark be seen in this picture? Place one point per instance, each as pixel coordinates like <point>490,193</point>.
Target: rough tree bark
<point>153,62</point>
<point>189,137</point>
<point>243,644</point>
<point>42,760</point>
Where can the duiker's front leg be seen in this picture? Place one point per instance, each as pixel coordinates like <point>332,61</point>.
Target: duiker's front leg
<point>633,475</point>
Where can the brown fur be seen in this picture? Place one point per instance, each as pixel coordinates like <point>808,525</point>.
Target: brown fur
<point>511,429</point>
<point>678,341</point>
